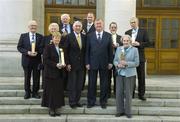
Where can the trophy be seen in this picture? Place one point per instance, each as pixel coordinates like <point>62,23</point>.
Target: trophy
<point>122,56</point>
<point>33,47</point>
<point>62,56</point>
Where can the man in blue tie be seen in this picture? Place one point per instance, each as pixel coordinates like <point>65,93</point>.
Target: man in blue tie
<point>65,28</point>
<point>30,46</point>
<point>98,59</point>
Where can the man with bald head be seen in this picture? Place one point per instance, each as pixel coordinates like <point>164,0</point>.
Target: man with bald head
<point>30,46</point>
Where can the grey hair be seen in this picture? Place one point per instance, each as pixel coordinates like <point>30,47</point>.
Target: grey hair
<point>65,15</point>
<point>77,23</point>
<point>55,25</point>
<point>129,38</point>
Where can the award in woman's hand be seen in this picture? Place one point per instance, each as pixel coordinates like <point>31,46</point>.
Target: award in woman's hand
<point>122,56</point>
<point>62,56</point>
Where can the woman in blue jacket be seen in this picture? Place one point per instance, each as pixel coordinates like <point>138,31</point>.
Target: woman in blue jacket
<point>126,60</point>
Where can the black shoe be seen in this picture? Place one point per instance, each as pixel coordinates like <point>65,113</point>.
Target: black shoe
<point>103,106</point>
<point>52,113</point>
<point>129,116</point>
<point>27,96</point>
<point>79,105</point>
<point>142,98</point>
<point>57,113</point>
<point>73,106</point>
<point>36,95</point>
<point>119,114</point>
<point>90,106</point>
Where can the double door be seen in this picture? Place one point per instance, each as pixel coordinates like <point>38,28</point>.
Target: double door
<point>163,53</point>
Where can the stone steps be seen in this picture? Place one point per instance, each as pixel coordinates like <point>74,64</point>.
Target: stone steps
<point>149,94</point>
<point>19,85</point>
<point>97,110</point>
<point>85,118</point>
<point>151,102</point>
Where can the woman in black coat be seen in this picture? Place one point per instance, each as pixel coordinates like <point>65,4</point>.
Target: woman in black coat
<point>53,27</point>
<point>53,95</point>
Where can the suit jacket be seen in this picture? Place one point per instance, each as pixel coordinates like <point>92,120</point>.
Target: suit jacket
<point>24,46</point>
<point>92,28</point>
<point>132,59</point>
<point>143,39</point>
<point>74,55</point>
<point>99,55</point>
<point>50,60</point>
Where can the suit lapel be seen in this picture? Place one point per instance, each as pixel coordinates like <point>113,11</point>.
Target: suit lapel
<point>28,40</point>
<point>138,35</point>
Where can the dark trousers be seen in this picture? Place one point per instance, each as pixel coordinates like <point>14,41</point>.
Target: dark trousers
<point>141,79</point>
<point>112,73</point>
<point>27,78</point>
<point>103,73</point>
<point>75,84</point>
<point>65,79</point>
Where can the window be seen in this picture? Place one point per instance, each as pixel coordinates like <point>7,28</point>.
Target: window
<point>158,3</point>
<point>170,33</point>
<point>72,2</point>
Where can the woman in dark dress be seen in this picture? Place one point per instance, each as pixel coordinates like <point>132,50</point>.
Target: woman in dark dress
<point>53,95</point>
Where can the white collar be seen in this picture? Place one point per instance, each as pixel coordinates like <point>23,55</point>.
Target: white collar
<point>31,34</point>
<point>99,32</point>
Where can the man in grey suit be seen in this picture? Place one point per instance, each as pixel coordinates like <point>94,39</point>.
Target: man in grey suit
<point>98,59</point>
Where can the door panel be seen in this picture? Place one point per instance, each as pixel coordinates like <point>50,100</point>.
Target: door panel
<point>163,55</point>
<point>151,24</point>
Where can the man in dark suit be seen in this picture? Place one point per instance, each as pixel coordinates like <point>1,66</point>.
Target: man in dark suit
<point>98,59</point>
<point>116,42</point>
<point>30,45</point>
<point>75,60</point>
<point>88,25</point>
<point>65,28</point>
<point>140,40</point>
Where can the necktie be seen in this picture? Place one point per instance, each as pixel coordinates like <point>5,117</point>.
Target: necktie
<point>65,28</point>
<point>33,37</point>
<point>99,37</point>
<point>79,41</point>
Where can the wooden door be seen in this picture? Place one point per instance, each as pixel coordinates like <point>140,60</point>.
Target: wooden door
<point>163,54</point>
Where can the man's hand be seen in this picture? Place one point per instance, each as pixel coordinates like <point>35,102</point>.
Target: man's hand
<point>88,67</point>
<point>69,67</point>
<point>32,54</point>
<point>135,43</point>
<point>110,66</point>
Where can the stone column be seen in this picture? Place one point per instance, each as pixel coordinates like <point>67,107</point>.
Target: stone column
<point>119,11</point>
<point>14,15</point>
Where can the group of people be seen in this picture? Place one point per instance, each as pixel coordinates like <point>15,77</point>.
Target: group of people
<point>71,52</point>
